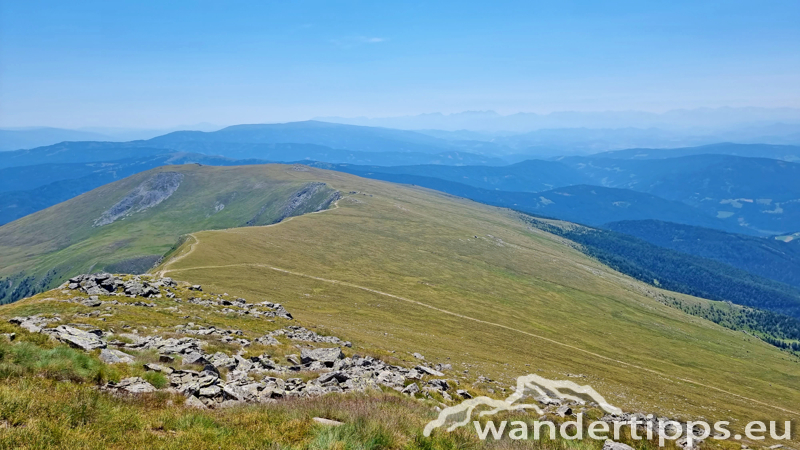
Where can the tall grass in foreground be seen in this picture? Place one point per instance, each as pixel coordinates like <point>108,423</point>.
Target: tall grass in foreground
<point>49,398</point>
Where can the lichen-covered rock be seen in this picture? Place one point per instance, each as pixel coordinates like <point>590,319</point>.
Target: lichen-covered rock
<point>133,385</point>
<point>326,356</point>
<point>75,337</point>
<point>111,356</point>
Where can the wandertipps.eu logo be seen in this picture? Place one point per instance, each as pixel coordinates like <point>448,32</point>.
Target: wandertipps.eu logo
<point>637,426</point>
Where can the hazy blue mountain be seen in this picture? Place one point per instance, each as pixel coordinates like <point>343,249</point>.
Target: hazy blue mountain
<point>84,152</point>
<point>763,256</point>
<point>783,152</point>
<point>22,138</point>
<point>76,152</point>
<point>337,136</point>
<point>589,205</point>
<point>758,193</point>
<point>490,121</point>
<point>753,195</point>
<point>531,176</point>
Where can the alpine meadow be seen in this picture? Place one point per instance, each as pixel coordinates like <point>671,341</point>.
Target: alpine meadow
<point>377,226</point>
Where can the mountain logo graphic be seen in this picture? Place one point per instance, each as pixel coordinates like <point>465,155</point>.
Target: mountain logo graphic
<point>461,414</point>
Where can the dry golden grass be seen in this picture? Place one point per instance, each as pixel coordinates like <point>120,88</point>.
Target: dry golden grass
<point>407,269</point>
<point>398,270</point>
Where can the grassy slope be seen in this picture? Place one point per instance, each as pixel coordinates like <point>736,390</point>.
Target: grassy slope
<point>507,302</point>
<point>62,238</point>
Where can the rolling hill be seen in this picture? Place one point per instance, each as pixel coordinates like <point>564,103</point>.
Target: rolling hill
<point>127,225</point>
<point>399,269</point>
<point>49,184</point>
<point>404,267</point>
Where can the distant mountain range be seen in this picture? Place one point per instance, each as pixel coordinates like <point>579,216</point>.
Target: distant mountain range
<point>782,152</point>
<point>753,121</point>
<point>32,137</point>
<point>722,186</point>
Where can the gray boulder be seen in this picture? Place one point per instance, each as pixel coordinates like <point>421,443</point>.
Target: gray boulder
<point>75,337</point>
<point>439,385</point>
<point>411,389</point>
<point>429,371</point>
<point>464,394</point>
<point>327,356</point>
<point>564,411</point>
<point>134,385</point>
<point>611,445</point>
<point>111,356</point>
<point>195,358</point>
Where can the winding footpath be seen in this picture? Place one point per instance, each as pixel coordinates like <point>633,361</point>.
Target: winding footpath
<point>196,242</point>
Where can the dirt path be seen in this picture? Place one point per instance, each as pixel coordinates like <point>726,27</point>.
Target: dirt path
<point>196,242</point>
<point>162,273</point>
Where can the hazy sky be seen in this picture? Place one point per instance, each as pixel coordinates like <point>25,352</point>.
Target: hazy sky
<point>165,63</point>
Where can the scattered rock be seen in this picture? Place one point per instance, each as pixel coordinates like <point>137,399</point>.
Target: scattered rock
<point>463,394</point>
<point>329,422</point>
<point>75,337</point>
<point>326,356</point>
<point>429,371</point>
<point>92,302</point>
<point>411,389</point>
<point>547,401</point>
<point>440,385</point>
<point>194,402</point>
<point>611,445</point>
<point>34,324</point>
<point>418,356</point>
<point>195,358</point>
<point>158,368</point>
<point>564,411</point>
<point>132,385</point>
<point>111,356</point>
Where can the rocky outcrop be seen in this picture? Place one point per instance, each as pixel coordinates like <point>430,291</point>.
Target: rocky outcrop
<point>111,356</point>
<point>297,333</point>
<point>132,385</point>
<point>108,284</point>
<point>34,324</point>
<point>146,195</point>
<point>74,337</point>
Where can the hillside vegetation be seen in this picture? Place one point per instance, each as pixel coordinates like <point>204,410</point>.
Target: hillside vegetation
<point>405,268</point>
<point>142,218</point>
<point>766,257</point>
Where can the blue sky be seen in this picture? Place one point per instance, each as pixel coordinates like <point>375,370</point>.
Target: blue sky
<point>166,63</point>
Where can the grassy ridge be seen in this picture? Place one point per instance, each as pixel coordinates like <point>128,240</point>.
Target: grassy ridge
<point>39,251</point>
<point>407,268</point>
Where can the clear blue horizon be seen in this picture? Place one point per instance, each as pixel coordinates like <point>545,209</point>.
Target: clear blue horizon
<point>162,64</point>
